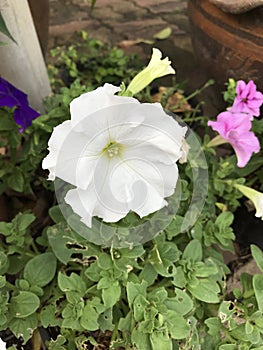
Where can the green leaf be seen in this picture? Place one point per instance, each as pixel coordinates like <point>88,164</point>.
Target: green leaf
<point>104,282</point>
<point>247,286</point>
<point>5,228</point>
<point>257,255</point>
<point>134,289</point>
<point>24,304</point>
<point>253,335</point>
<point>139,305</point>
<point>178,326</point>
<point>4,29</point>
<point>22,221</point>
<point>206,290</point>
<point>181,303</point>
<point>175,227</point>
<point>163,34</point>
<point>56,214</point>
<point>228,347</point>
<point>257,318</point>
<point>89,318</point>
<point>41,269</point>
<point>111,295</point>
<point>57,344</point>
<point>24,326</point>
<point>2,281</point>
<point>249,328</point>
<point>224,220</point>
<point>58,243</point>
<point>179,279</point>
<point>258,288</point>
<point>48,316</point>
<point>105,320</point>
<point>4,263</point>
<point>105,261</point>
<point>205,269</point>
<point>193,251</point>
<point>148,274</point>
<point>71,283</point>
<point>65,242</point>
<point>141,340</point>
<point>214,325</point>
<point>16,180</point>
<point>6,124</point>
<point>161,340</point>
<point>163,255</point>
<point>253,165</point>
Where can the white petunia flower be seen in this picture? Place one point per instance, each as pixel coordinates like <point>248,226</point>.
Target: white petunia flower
<point>255,196</point>
<point>156,68</point>
<point>120,154</point>
<point>2,345</point>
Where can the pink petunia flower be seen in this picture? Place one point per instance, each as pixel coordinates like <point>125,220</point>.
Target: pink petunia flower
<point>235,129</point>
<point>248,99</point>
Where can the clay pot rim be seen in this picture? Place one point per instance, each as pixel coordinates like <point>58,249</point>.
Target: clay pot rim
<point>237,6</point>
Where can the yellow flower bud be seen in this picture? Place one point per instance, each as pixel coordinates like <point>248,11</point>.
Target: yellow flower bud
<point>156,68</point>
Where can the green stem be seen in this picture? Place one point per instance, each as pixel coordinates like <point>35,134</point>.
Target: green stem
<point>216,141</point>
<point>114,335</point>
<point>34,247</point>
<point>198,91</point>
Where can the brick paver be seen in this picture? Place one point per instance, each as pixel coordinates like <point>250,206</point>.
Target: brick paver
<point>121,19</point>
<point>119,22</point>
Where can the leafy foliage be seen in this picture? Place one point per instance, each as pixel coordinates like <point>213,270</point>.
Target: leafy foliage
<point>169,293</point>
<point>103,64</point>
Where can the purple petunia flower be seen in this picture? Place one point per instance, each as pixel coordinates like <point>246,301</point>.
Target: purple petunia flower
<point>235,129</point>
<point>248,99</point>
<point>11,97</point>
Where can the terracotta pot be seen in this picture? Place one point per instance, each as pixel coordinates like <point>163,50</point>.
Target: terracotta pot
<point>227,45</point>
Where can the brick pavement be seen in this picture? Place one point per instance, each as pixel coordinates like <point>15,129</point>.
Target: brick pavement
<point>115,21</point>
<point>120,19</point>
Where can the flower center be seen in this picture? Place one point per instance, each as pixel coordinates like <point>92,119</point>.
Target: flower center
<point>113,149</point>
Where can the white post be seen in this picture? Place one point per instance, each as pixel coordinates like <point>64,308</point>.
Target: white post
<point>22,64</point>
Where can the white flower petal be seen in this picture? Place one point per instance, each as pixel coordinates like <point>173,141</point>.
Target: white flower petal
<point>98,199</point>
<point>67,155</point>
<point>91,102</point>
<point>158,129</point>
<point>255,196</point>
<point>112,120</point>
<point>2,345</point>
<point>82,203</point>
<point>120,154</point>
<point>136,180</point>
<point>55,144</point>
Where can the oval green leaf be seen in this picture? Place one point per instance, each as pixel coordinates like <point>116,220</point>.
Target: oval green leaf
<point>41,269</point>
<point>24,304</point>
